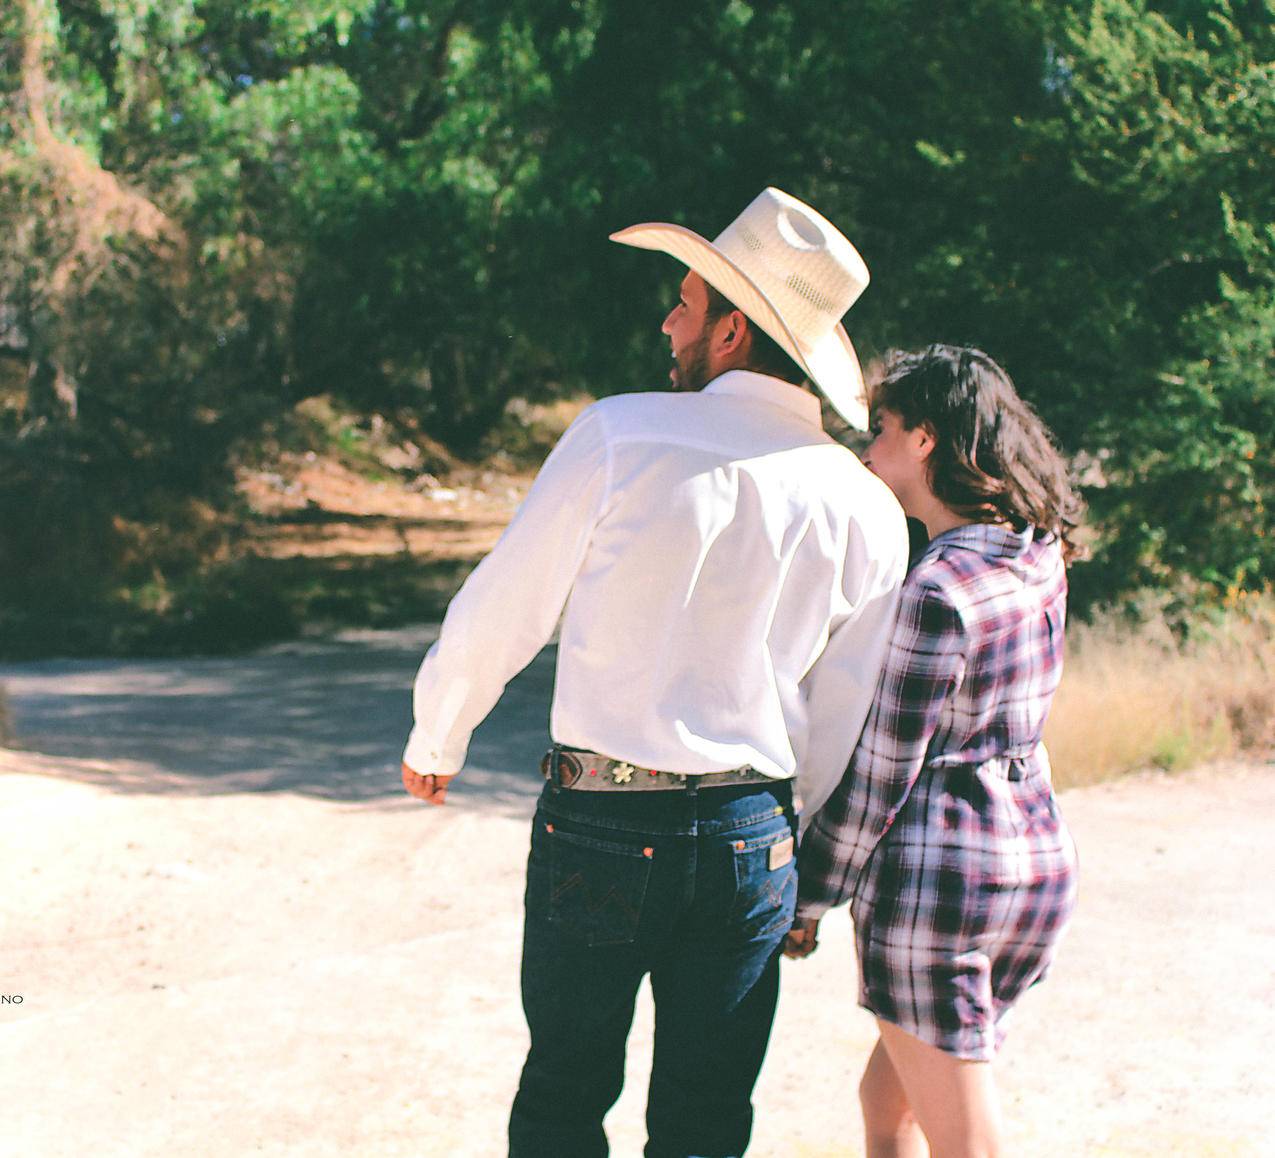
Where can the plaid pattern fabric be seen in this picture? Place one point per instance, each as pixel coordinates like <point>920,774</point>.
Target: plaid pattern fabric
<point>945,832</point>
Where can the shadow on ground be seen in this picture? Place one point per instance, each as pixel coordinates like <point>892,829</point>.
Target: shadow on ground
<point>320,719</point>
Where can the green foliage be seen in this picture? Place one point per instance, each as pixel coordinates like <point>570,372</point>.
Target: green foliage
<point>1082,189</point>
<point>1171,123</point>
<point>405,204</point>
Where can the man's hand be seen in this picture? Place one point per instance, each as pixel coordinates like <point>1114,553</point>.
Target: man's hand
<point>432,789</point>
<point>803,937</point>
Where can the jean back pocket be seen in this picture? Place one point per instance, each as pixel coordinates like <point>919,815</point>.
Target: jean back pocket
<point>596,887</point>
<point>765,883</point>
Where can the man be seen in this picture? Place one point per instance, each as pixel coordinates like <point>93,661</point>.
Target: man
<point>730,577</point>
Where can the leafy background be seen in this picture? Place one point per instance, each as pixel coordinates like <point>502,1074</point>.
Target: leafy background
<point>213,211</point>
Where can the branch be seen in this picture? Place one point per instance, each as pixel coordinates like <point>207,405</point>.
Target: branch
<point>422,114</point>
<point>97,203</point>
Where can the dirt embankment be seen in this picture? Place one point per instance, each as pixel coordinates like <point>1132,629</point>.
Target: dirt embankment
<point>334,483</point>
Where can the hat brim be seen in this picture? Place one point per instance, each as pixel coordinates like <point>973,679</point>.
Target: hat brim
<point>832,363</point>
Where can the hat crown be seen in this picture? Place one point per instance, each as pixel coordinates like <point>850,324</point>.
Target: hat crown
<point>799,260</point>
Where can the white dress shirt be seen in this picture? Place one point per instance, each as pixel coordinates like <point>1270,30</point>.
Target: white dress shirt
<point>730,577</point>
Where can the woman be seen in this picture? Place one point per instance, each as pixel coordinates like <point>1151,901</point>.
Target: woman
<point>945,834</point>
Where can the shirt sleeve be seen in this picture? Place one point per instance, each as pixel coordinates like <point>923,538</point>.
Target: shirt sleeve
<point>924,666</point>
<point>839,687</point>
<point>507,609</point>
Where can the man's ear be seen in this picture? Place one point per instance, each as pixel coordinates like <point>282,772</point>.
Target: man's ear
<point>733,333</point>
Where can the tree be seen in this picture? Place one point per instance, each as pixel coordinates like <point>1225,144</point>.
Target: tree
<point>1170,119</point>
<point>212,210</point>
<point>1082,189</point>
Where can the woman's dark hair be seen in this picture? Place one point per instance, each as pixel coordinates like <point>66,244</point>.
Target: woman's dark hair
<point>765,355</point>
<point>994,460</point>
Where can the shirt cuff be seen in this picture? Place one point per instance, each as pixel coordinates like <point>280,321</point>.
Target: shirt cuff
<point>812,909</point>
<point>425,759</point>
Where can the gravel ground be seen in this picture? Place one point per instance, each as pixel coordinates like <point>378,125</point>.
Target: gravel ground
<point>231,934</point>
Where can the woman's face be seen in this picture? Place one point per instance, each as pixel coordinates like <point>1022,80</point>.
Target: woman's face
<point>897,456</point>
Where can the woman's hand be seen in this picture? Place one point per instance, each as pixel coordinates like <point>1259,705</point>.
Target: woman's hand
<point>803,938</point>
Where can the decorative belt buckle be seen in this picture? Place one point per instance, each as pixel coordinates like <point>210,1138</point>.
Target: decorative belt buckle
<point>569,769</point>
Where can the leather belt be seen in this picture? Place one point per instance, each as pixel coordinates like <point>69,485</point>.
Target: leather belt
<point>586,771</point>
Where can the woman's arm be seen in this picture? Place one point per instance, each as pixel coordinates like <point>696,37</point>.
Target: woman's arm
<point>924,667</point>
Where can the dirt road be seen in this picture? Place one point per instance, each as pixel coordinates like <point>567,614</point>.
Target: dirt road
<point>231,934</point>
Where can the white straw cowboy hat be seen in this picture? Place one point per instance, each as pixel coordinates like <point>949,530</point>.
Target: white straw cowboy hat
<point>793,273</point>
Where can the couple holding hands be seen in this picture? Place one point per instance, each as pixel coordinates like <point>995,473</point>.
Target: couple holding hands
<point>761,711</point>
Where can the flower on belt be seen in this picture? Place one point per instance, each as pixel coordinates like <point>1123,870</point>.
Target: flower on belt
<point>622,773</point>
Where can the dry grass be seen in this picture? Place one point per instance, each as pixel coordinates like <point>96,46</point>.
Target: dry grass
<point>1136,697</point>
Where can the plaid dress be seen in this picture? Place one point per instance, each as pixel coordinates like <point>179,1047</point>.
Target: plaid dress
<point>944,833</point>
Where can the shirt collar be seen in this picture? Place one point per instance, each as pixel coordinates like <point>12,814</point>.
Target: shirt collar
<point>991,540</point>
<point>764,388</point>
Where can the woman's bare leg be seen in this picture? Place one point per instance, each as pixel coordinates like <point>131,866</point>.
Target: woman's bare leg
<point>890,1129</point>
<point>954,1100</point>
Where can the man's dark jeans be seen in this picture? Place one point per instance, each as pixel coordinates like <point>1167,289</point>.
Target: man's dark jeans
<point>695,887</point>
